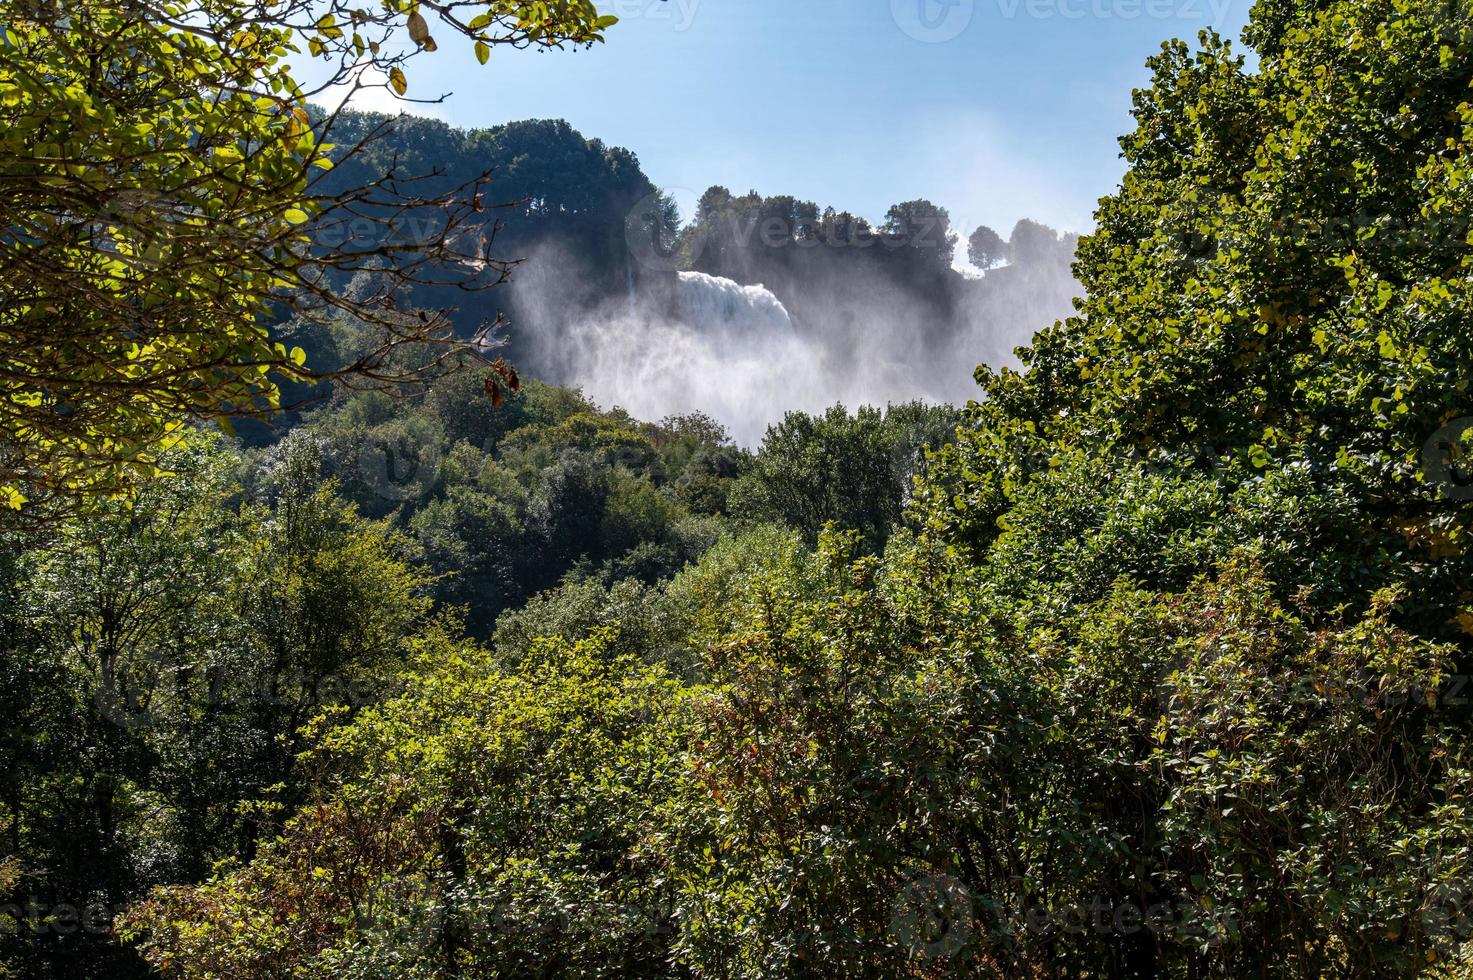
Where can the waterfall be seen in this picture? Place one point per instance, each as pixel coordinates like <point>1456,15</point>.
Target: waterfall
<point>721,308</point>
<point>730,350</point>
<point>673,343</point>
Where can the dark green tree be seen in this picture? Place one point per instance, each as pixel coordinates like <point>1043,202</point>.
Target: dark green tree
<point>985,248</point>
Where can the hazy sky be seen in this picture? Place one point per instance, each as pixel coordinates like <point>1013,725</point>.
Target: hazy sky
<point>996,109</point>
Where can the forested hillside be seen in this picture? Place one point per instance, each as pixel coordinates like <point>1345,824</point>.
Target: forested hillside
<point>1151,661</point>
<point>877,313</point>
<point>166,657</point>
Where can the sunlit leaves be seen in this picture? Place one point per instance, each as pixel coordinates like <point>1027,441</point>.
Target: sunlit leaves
<point>1283,274</point>
<point>159,165</point>
<point>171,236</point>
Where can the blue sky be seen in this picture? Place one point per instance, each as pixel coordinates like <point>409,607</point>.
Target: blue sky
<point>995,109</point>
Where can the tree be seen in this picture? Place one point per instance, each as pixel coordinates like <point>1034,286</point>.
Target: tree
<point>162,186</point>
<point>327,598</point>
<point>852,470</point>
<point>123,638</point>
<point>1168,684</point>
<point>156,664</point>
<point>1248,316</point>
<point>986,248</point>
<point>842,228</point>
<point>1033,244</point>
<point>454,854</point>
<point>923,227</point>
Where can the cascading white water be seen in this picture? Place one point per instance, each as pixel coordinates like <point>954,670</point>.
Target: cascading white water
<point>727,309</point>
<point>734,352</point>
<point>731,351</point>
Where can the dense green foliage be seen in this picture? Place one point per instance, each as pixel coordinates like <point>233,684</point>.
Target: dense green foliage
<point>854,470</point>
<point>159,661</point>
<point>164,660</point>
<point>1157,668</point>
<point>159,174</point>
<point>503,503</point>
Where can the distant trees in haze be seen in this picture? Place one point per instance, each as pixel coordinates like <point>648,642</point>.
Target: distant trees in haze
<point>1031,245</point>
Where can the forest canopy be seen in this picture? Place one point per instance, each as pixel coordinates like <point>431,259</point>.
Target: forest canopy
<point>1151,661</point>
